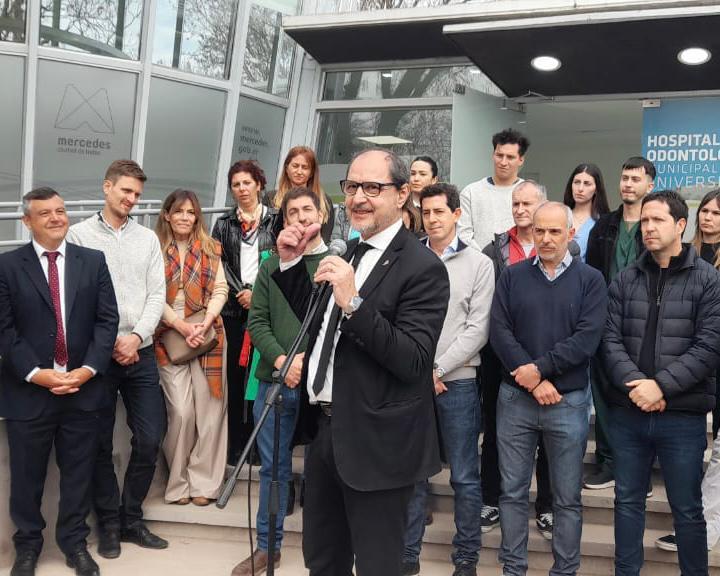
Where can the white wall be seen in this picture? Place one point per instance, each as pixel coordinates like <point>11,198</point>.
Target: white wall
<point>563,135</point>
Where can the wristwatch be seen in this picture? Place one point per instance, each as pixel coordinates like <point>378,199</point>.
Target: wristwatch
<point>439,372</point>
<point>354,304</point>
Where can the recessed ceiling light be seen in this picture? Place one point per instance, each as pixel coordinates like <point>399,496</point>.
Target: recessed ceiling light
<point>386,74</point>
<point>694,56</point>
<point>545,63</point>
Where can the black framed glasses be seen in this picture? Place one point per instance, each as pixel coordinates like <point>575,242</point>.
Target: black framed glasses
<point>370,189</point>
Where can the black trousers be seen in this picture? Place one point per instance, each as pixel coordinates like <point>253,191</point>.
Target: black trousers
<point>75,436</point>
<point>490,377</point>
<point>341,524</point>
<point>240,412</point>
<point>139,385</point>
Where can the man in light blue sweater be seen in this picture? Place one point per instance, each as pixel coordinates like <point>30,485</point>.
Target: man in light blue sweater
<point>464,333</point>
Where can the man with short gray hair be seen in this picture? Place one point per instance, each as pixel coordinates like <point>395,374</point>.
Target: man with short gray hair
<point>547,319</point>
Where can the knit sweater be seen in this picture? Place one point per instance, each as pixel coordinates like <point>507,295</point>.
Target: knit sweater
<point>467,322</point>
<point>272,323</point>
<point>486,210</point>
<point>136,268</point>
<point>555,325</point>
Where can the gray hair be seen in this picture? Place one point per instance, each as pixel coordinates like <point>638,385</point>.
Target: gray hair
<point>549,204</point>
<point>42,193</point>
<point>399,173</point>
<point>540,188</point>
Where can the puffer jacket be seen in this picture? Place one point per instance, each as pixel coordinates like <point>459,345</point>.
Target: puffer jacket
<point>228,232</point>
<point>687,347</point>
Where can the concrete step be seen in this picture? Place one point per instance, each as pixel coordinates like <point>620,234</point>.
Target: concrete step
<point>232,522</point>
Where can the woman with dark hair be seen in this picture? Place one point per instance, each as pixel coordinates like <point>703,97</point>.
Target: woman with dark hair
<point>423,172</point>
<point>707,243</point>
<point>196,438</point>
<point>245,232</point>
<point>300,170</point>
<point>585,195</point>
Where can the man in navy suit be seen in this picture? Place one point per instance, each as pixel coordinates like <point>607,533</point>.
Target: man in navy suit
<point>58,323</point>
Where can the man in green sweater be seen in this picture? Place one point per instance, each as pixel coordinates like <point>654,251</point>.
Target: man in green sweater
<point>273,327</point>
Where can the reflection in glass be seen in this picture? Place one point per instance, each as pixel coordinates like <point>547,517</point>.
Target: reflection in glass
<point>181,147</point>
<point>195,35</point>
<point>12,21</point>
<point>258,136</point>
<point>84,120</point>
<point>104,27</point>
<point>405,83</point>
<point>12,70</point>
<point>330,6</point>
<point>268,54</point>
<point>414,132</point>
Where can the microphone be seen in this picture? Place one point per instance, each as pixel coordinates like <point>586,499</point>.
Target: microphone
<point>337,247</point>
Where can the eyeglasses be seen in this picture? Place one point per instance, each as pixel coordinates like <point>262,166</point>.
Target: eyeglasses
<point>370,189</point>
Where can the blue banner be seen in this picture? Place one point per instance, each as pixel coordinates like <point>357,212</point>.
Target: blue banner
<point>682,139</point>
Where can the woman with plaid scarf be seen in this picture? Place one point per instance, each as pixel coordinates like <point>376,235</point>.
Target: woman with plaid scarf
<point>195,392</point>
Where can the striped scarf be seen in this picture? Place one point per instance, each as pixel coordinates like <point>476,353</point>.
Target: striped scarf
<point>198,281</point>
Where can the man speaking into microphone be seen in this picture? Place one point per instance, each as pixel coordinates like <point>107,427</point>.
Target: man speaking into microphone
<point>367,393</point>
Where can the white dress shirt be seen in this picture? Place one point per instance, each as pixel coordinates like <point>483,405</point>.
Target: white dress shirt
<point>60,262</point>
<point>379,244</point>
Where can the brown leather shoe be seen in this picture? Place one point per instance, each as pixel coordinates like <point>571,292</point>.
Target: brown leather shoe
<point>182,501</point>
<point>200,501</point>
<point>260,558</point>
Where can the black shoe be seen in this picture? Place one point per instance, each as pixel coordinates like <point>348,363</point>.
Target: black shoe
<point>465,569</point>
<point>25,562</point>
<point>83,563</point>
<point>140,535</point>
<point>109,542</point>
<point>301,498</point>
<point>291,498</point>
<point>489,518</point>
<point>545,522</point>
<point>603,478</point>
<point>409,568</point>
<point>649,492</point>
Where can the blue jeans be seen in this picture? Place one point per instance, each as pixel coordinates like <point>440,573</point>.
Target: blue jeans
<point>264,441</point>
<point>459,414</point>
<point>678,440</point>
<point>139,385</point>
<point>564,427</point>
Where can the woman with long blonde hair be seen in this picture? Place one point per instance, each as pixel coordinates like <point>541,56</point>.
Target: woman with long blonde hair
<point>300,170</point>
<point>195,392</point>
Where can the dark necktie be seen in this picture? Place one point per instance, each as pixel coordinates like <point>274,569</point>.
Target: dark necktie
<point>333,321</point>
<point>61,356</point>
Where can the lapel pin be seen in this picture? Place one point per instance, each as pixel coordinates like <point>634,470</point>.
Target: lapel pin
<point>386,262</point>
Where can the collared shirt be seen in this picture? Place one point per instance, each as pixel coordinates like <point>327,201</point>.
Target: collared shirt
<point>564,265</point>
<point>450,249</point>
<point>60,263</point>
<point>379,243</point>
<point>117,232</point>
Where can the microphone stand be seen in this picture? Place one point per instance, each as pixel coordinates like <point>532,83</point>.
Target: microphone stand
<point>273,399</point>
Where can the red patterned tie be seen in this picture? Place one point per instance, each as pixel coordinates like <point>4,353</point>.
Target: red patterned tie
<point>61,356</point>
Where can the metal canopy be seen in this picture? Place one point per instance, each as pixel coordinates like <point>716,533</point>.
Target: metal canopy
<point>609,52</point>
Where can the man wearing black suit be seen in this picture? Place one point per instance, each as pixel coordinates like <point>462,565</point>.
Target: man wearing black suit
<point>58,322</point>
<point>367,406</point>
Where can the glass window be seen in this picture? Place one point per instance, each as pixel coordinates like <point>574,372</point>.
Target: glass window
<point>409,133</point>
<point>12,21</point>
<point>330,6</point>
<point>405,83</point>
<point>258,136</point>
<point>12,69</point>
<point>105,27</point>
<point>182,147</point>
<point>269,51</point>
<point>195,35</point>
<point>84,121</point>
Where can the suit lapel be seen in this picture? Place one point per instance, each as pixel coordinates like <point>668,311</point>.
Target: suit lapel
<point>387,260</point>
<point>34,270</point>
<point>73,267</point>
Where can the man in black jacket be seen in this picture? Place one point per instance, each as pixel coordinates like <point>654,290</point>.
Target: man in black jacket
<point>615,242</point>
<point>661,348</point>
